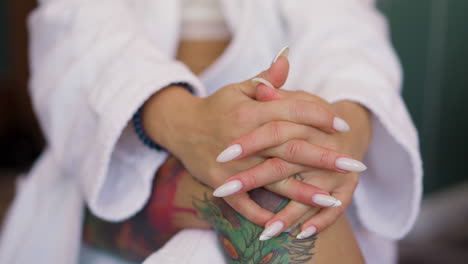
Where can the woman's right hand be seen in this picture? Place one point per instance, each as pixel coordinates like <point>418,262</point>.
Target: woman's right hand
<point>195,130</point>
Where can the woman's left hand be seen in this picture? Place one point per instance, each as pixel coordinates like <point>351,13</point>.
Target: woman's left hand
<point>290,137</point>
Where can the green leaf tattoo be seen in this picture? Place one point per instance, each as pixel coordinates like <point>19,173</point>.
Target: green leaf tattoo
<point>238,237</point>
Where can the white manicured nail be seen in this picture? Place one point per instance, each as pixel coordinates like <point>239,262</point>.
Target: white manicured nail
<point>258,80</point>
<point>348,164</point>
<point>283,52</point>
<point>326,200</point>
<point>230,153</point>
<point>340,125</point>
<point>307,232</point>
<point>228,188</point>
<point>271,231</point>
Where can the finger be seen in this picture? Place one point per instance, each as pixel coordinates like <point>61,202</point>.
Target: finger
<point>266,93</point>
<point>321,221</point>
<point>303,153</point>
<point>269,171</point>
<point>273,134</point>
<point>245,206</point>
<point>291,215</point>
<point>328,216</point>
<point>272,171</point>
<point>304,193</point>
<point>301,112</point>
<point>284,220</point>
<point>276,74</point>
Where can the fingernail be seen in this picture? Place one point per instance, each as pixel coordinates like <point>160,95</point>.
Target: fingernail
<point>326,200</point>
<point>271,231</point>
<point>283,52</point>
<point>230,153</point>
<point>228,188</point>
<point>307,232</point>
<point>348,164</point>
<point>258,80</point>
<point>340,125</point>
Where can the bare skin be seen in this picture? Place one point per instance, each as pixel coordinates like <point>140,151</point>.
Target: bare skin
<point>233,111</point>
<point>177,203</point>
<point>333,244</point>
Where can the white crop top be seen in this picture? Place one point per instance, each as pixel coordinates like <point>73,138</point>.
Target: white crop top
<point>203,20</point>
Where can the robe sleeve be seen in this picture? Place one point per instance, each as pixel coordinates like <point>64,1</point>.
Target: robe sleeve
<point>340,50</point>
<point>92,67</point>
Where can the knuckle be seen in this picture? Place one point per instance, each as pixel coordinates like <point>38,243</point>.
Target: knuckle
<point>279,166</point>
<point>325,159</point>
<point>292,148</point>
<point>296,110</point>
<point>250,180</point>
<point>275,132</point>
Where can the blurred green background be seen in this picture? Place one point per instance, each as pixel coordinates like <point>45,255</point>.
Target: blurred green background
<point>431,38</point>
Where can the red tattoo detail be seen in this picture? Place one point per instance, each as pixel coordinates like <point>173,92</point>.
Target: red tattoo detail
<point>161,206</point>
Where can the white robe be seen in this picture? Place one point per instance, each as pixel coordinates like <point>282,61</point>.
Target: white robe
<point>94,62</point>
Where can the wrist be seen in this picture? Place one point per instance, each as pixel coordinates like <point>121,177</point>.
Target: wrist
<point>166,114</point>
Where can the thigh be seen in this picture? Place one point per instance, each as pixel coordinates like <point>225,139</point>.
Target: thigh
<point>179,201</point>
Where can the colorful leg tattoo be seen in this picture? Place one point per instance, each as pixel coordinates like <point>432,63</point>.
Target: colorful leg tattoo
<point>151,228</point>
<point>138,237</point>
<point>238,237</point>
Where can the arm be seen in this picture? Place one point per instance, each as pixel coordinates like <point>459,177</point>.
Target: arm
<point>92,66</point>
<point>137,237</point>
<point>355,143</point>
<point>350,57</point>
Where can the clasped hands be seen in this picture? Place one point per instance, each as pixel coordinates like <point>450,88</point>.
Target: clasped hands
<point>249,135</point>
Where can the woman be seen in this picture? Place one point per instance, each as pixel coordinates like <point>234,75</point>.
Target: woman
<point>95,63</point>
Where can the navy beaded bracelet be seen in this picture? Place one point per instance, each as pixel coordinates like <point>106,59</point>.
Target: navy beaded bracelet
<point>138,121</point>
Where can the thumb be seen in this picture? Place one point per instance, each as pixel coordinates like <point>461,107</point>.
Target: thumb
<point>276,75</point>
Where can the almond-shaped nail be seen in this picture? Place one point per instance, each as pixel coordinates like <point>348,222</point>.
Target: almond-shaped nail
<point>340,125</point>
<point>230,187</point>
<point>272,230</point>
<point>348,164</point>
<point>230,153</point>
<point>283,52</point>
<point>326,200</point>
<point>307,232</point>
<point>258,80</point>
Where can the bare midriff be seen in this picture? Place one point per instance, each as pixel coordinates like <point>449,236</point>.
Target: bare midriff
<point>200,54</point>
